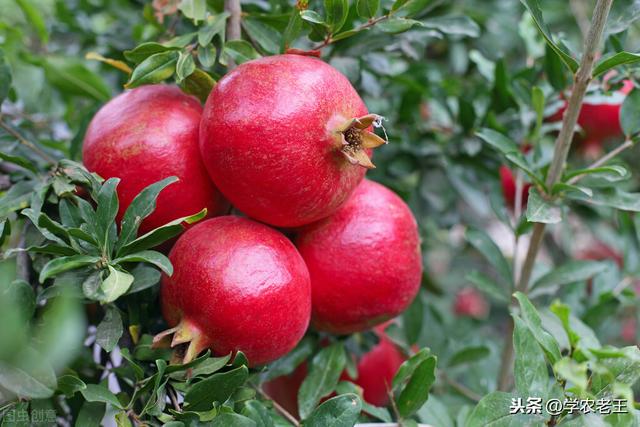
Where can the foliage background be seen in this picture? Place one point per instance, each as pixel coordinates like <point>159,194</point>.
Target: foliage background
<point>441,73</point>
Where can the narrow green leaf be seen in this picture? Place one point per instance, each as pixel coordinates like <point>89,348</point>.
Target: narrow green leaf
<point>35,18</point>
<point>488,286</point>
<point>532,319</point>
<point>228,419</point>
<point>540,210</point>
<point>469,355</point>
<point>620,58</point>
<point>255,410</point>
<point>185,66</point>
<point>30,376</point>
<point>367,8</point>
<point>498,141</point>
<point>100,393</point>
<point>109,329</point>
<point>216,388</point>
<point>451,25</point>
<point>397,25</point>
<point>483,243</point>
<point>530,371</point>
<point>154,69</point>
<point>495,410</point>
<point>5,230</point>
<point>5,77</point>
<point>145,50</point>
<point>312,16</point>
<point>419,380</point>
<point>324,373</point>
<point>571,272</point>
<point>629,113</point>
<point>199,84</point>
<point>215,26</point>
<point>240,51</point>
<point>336,12</point>
<point>106,211</point>
<point>268,38</point>
<point>151,257</point>
<point>115,285</point>
<point>339,411</point>
<point>193,9</point>
<point>71,77</point>
<point>66,263</point>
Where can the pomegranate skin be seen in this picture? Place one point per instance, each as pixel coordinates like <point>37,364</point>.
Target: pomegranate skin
<point>508,182</point>
<point>239,285</point>
<point>364,261</point>
<point>470,303</point>
<point>268,139</point>
<point>148,134</point>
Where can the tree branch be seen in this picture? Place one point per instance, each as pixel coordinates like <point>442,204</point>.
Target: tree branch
<point>604,159</point>
<point>581,82</point>
<point>234,28</point>
<point>26,142</point>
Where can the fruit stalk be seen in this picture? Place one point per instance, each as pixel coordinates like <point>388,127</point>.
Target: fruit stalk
<point>582,79</point>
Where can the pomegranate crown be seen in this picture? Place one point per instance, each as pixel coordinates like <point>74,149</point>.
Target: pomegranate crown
<point>356,139</point>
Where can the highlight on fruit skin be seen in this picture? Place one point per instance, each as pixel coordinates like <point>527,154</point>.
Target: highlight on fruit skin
<point>237,285</point>
<point>287,138</point>
<point>145,135</point>
<point>364,261</point>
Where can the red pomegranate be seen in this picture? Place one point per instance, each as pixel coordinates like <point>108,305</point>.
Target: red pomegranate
<point>470,303</point>
<point>283,137</point>
<point>598,251</point>
<point>376,370</point>
<point>508,182</point>
<point>148,134</point>
<point>364,261</point>
<point>599,118</point>
<point>237,285</point>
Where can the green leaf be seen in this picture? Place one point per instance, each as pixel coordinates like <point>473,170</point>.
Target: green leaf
<point>469,355</point>
<point>532,320</point>
<point>240,51</point>
<point>419,374</point>
<point>312,17</point>
<point>122,419</point>
<point>541,210</point>
<point>324,374</point>
<point>29,377</point>
<point>5,230</point>
<point>5,77</point>
<point>193,9</point>
<point>69,385</point>
<point>216,388</point>
<point>199,83</point>
<point>100,393</point>
<point>232,420</point>
<point>215,26</point>
<point>145,50</point>
<point>563,188</point>
<point>339,411</point>
<point>488,286</point>
<point>293,29</point>
<point>483,243</point>
<point>154,69</point>
<point>35,18</point>
<point>115,285</point>
<point>106,211</point>
<point>336,12</point>
<point>265,36</point>
<point>570,272</point>
<point>110,329</point>
<point>498,141</point>
<point>410,8</point>
<point>616,172</point>
<point>144,277</point>
<point>495,410</point>
<point>530,371</point>
<point>537,102</point>
<point>397,25</point>
<point>572,371</point>
<point>290,361</point>
<point>629,113</point>
<point>62,264</point>
<point>452,25</point>
<point>151,257</point>
<point>91,414</point>
<point>412,320</point>
<point>185,66</point>
<point>209,366</point>
<point>345,387</point>
<point>620,58</point>
<point>255,410</point>
<point>71,77</point>
<point>534,9</point>
<point>160,234</point>
<point>367,8</point>
<point>623,370</point>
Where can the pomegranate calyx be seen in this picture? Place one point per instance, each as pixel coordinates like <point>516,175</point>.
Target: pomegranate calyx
<point>187,341</point>
<point>355,139</point>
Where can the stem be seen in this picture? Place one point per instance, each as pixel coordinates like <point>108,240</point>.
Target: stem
<point>22,140</point>
<point>293,420</point>
<point>370,23</point>
<point>462,389</point>
<point>234,29</point>
<point>604,159</point>
<point>582,79</point>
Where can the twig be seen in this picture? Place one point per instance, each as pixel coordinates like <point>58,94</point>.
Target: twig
<point>174,398</point>
<point>582,79</point>
<point>604,159</point>
<point>370,23</point>
<point>293,420</point>
<point>26,142</point>
<point>234,29</point>
<point>462,389</point>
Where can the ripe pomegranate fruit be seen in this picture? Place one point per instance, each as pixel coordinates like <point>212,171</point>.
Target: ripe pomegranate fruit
<point>470,303</point>
<point>508,182</point>
<point>601,251</point>
<point>148,134</point>
<point>364,261</point>
<point>376,370</point>
<point>283,137</point>
<point>599,118</point>
<point>237,285</point>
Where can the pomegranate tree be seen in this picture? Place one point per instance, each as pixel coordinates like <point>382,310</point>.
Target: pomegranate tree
<point>148,134</point>
<point>286,139</point>
<point>236,285</point>
<point>364,261</point>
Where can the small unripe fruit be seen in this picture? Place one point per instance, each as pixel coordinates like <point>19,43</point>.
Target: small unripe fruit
<point>364,261</point>
<point>237,285</point>
<point>145,135</point>
<point>470,303</point>
<point>285,138</point>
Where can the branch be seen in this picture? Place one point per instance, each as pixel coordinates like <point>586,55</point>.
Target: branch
<point>234,28</point>
<point>582,79</point>
<point>604,159</point>
<point>370,23</point>
<point>293,420</point>
<point>22,140</point>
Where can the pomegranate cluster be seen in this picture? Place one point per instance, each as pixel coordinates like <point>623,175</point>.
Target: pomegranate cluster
<point>286,140</point>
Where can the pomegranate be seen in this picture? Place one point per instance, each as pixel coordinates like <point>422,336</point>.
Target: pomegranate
<point>508,182</point>
<point>470,303</point>
<point>376,370</point>
<point>601,251</point>
<point>364,261</point>
<point>628,330</point>
<point>237,285</point>
<point>148,134</point>
<point>283,138</point>
<point>599,119</point>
